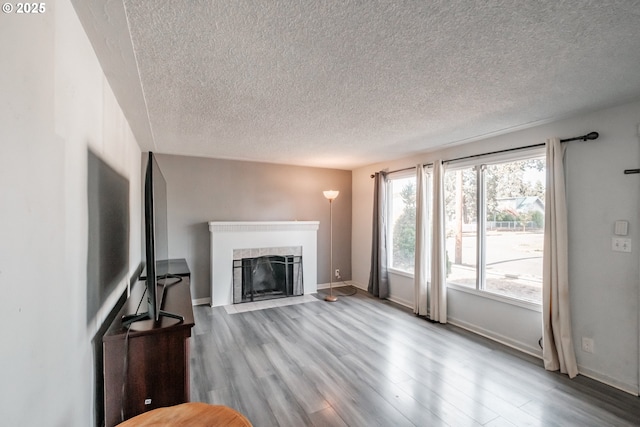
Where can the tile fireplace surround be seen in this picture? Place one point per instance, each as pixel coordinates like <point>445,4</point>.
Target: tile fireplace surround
<point>227,236</point>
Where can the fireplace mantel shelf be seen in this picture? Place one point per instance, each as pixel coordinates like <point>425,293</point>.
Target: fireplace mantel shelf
<point>244,226</point>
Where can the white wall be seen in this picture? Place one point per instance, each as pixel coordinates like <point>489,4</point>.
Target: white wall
<point>604,284</point>
<point>56,105</point>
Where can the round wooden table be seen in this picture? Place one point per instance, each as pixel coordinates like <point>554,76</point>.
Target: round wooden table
<point>193,414</point>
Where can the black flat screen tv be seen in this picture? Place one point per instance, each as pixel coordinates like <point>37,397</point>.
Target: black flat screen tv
<point>157,277</point>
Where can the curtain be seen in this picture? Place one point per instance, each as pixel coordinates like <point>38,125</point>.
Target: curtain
<point>421,267</point>
<point>378,277</point>
<point>438,288</point>
<point>558,352</point>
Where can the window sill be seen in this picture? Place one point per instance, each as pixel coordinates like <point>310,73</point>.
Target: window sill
<point>497,297</point>
<point>483,294</point>
<point>400,272</point>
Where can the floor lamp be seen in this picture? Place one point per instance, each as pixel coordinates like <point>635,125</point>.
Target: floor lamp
<point>331,196</point>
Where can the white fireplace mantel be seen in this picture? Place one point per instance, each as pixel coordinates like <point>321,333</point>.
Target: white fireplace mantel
<point>229,235</point>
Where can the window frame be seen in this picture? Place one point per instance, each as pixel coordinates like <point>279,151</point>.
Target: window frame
<point>403,174</point>
<point>479,164</point>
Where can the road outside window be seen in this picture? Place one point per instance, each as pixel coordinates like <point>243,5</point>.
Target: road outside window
<point>495,228</point>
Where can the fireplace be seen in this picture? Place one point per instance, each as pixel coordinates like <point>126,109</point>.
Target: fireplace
<point>267,277</point>
<point>234,240</point>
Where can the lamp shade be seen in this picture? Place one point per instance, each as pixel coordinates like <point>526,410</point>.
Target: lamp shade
<point>331,194</point>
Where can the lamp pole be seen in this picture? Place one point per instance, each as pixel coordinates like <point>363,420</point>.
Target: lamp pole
<point>331,195</point>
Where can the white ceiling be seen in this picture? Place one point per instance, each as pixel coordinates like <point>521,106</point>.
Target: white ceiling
<point>343,84</point>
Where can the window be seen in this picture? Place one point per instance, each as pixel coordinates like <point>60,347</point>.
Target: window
<point>461,226</point>
<point>402,222</point>
<point>495,227</point>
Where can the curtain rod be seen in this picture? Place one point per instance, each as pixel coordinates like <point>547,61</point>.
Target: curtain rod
<point>589,136</point>
<point>592,135</point>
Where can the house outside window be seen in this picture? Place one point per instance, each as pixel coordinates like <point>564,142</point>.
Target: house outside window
<point>494,212</point>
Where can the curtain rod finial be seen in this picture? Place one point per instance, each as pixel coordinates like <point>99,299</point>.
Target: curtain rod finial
<point>592,135</point>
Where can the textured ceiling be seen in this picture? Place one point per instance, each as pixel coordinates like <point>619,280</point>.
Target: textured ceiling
<point>347,83</point>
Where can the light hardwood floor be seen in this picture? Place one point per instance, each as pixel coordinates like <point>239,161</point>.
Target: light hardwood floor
<point>365,362</point>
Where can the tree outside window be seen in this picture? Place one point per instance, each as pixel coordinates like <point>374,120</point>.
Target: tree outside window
<point>402,216</point>
<point>507,227</point>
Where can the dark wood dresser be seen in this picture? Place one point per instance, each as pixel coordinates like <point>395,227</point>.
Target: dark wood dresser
<point>147,365</point>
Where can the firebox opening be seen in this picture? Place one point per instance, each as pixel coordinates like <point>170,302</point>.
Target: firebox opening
<point>267,277</point>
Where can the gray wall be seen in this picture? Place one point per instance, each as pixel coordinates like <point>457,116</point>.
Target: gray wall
<point>604,284</point>
<point>56,108</point>
<point>202,190</point>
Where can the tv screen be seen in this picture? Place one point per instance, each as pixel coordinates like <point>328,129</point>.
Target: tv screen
<point>156,244</point>
<point>158,206</point>
<point>156,233</point>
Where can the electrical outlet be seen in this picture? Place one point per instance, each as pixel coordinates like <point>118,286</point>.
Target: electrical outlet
<point>587,345</point>
<point>337,274</point>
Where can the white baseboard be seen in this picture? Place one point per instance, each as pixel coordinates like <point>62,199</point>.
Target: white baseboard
<point>357,285</point>
<point>335,284</point>
<point>201,301</point>
<point>392,298</point>
<point>600,377</point>
<point>533,351</point>
<point>400,301</point>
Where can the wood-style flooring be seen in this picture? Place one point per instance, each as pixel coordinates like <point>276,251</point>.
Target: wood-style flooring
<point>366,362</point>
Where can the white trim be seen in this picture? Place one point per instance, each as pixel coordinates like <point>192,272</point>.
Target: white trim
<point>520,346</point>
<point>401,174</point>
<point>392,298</point>
<point>357,285</point>
<point>337,284</point>
<point>250,226</point>
<point>401,301</point>
<point>497,297</point>
<point>514,156</point>
<point>398,272</point>
<point>323,286</point>
<point>605,379</point>
<point>201,301</point>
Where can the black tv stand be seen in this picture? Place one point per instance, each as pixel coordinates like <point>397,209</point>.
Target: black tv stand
<point>165,285</point>
<point>178,269</point>
<point>173,316</point>
<point>128,319</point>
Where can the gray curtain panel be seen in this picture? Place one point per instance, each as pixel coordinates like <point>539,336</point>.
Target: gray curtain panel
<point>378,278</point>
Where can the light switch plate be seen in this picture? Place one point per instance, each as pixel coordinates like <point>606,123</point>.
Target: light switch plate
<point>620,244</point>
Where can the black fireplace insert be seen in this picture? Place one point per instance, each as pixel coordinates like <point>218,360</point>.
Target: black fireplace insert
<point>267,277</point>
